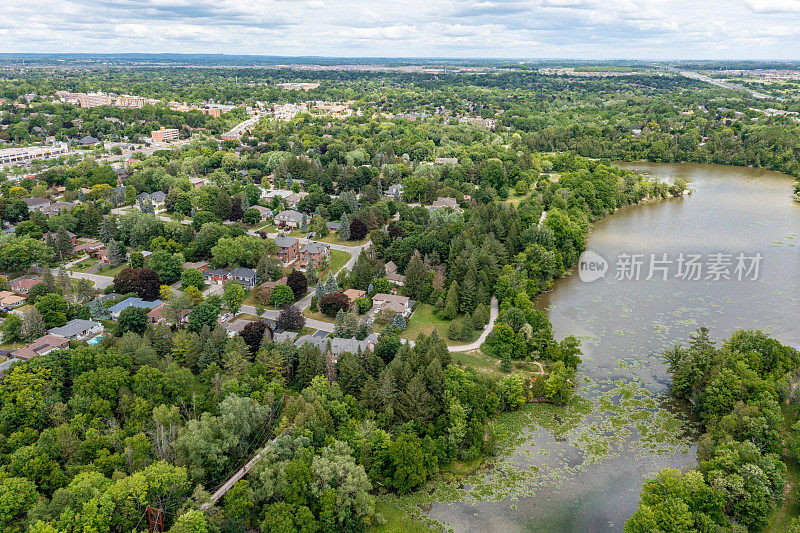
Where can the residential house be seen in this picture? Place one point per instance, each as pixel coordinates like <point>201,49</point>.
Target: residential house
<point>445,161</point>
<point>88,140</point>
<point>352,294</point>
<point>88,246</point>
<point>399,304</point>
<point>41,346</point>
<point>201,266</point>
<point>24,284</point>
<point>335,346</point>
<point>156,316</point>
<point>444,202</point>
<point>245,276</point>
<point>57,208</point>
<point>53,237</point>
<point>235,326</point>
<point>197,182</point>
<point>217,276</point>
<point>133,301</point>
<point>289,218</point>
<point>392,275</point>
<point>10,300</point>
<point>288,248</point>
<point>157,198</point>
<point>333,227</point>
<point>293,200</point>
<point>78,329</point>
<point>280,193</point>
<point>314,252</point>
<point>393,190</point>
<point>37,203</point>
<point>264,211</point>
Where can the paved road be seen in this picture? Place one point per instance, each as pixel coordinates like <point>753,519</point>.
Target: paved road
<point>723,84</point>
<point>242,126</point>
<point>493,312</point>
<point>273,314</point>
<point>100,282</point>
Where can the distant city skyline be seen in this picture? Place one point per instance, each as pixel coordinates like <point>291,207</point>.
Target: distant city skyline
<point>591,29</point>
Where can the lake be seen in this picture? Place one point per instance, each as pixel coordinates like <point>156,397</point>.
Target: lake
<point>582,470</point>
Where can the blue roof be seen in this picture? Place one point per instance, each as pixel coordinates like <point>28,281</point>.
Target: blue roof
<point>134,302</point>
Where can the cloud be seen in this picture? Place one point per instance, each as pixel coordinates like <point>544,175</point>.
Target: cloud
<point>458,28</point>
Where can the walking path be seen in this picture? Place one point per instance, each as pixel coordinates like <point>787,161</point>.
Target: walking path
<point>493,312</point>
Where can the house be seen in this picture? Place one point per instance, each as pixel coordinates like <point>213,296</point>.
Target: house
<point>57,208</point>
<point>235,326</point>
<point>280,193</point>
<point>217,276</point>
<point>352,294</point>
<point>116,309</point>
<point>78,329</point>
<point>398,304</point>
<point>37,203</point>
<point>288,248</point>
<point>445,161</point>
<point>293,200</point>
<point>157,198</point>
<point>333,227</point>
<point>53,237</point>
<point>24,284</point>
<point>314,252</point>
<point>197,182</point>
<point>41,346</point>
<point>336,346</point>
<point>392,275</point>
<point>200,266</point>
<point>393,190</point>
<point>289,218</point>
<point>444,202</point>
<point>245,276</point>
<point>88,140</point>
<point>10,300</point>
<point>156,316</point>
<point>88,246</point>
<point>264,211</point>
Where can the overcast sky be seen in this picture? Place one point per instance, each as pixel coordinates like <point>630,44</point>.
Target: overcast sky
<point>647,29</point>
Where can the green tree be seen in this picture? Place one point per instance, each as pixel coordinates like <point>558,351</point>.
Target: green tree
<point>281,296</point>
<point>12,328</point>
<point>451,302</point>
<point>132,319</point>
<point>167,265</point>
<point>233,295</point>
<point>192,278</point>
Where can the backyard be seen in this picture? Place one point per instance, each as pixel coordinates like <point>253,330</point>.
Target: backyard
<point>424,321</point>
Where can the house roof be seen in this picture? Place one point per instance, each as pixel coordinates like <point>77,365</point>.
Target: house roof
<point>290,214</point>
<point>36,201</point>
<point>41,345</point>
<point>74,327</point>
<point>445,202</point>
<point>314,247</point>
<point>391,267</point>
<point>217,272</point>
<point>247,273</point>
<point>134,302</point>
<point>284,241</point>
<point>354,293</point>
<point>25,283</point>
<point>158,197</point>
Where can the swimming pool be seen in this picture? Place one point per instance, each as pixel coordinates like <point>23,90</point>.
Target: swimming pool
<point>94,341</point>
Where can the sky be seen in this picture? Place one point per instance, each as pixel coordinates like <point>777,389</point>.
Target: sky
<point>583,29</point>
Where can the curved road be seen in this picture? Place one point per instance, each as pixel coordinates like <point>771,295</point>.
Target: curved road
<point>493,312</point>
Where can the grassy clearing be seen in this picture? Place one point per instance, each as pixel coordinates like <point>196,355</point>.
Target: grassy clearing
<point>397,516</point>
<point>317,316</point>
<point>84,265</point>
<point>333,238</point>
<point>779,520</point>
<point>424,321</point>
<point>338,260</point>
<point>111,272</point>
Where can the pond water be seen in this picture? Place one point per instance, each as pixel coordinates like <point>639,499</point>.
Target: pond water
<point>582,470</point>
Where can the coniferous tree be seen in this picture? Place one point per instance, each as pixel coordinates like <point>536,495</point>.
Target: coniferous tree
<point>451,302</point>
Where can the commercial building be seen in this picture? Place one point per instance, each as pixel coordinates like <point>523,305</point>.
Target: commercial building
<point>21,156</point>
<point>94,99</point>
<point>164,135</point>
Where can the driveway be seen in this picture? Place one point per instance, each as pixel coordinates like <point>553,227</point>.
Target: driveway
<point>100,282</point>
<point>493,312</point>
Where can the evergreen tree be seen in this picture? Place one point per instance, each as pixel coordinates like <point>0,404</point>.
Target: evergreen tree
<point>451,302</point>
<point>399,322</point>
<point>415,277</point>
<point>344,229</point>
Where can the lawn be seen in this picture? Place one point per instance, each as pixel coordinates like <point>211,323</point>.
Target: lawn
<point>111,272</point>
<point>338,260</point>
<point>396,516</point>
<point>333,238</point>
<point>84,265</point>
<point>424,321</point>
<point>317,316</point>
